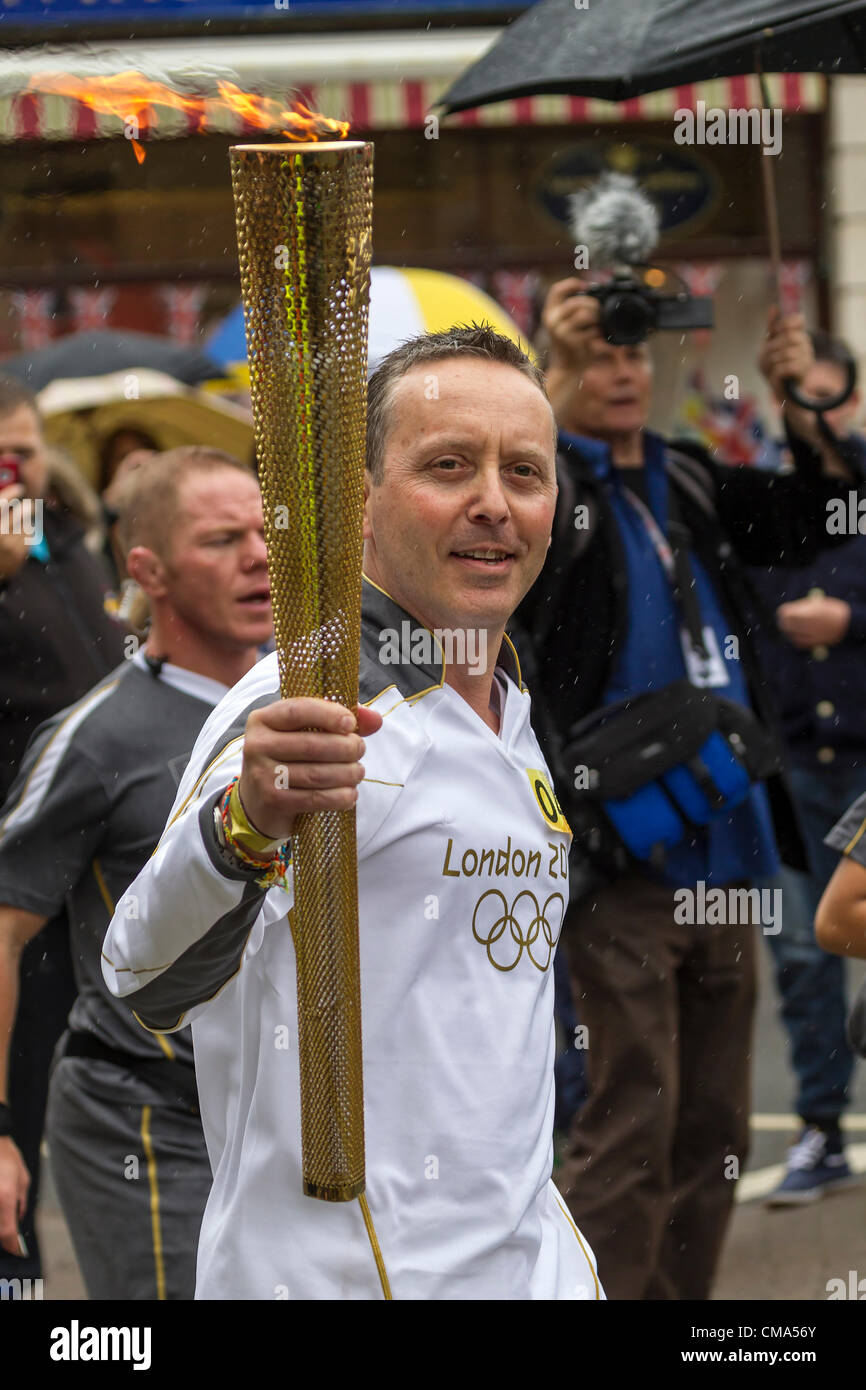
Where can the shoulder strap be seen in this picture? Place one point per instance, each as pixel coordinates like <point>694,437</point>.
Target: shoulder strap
<point>574,526</point>
<point>696,481</point>
<point>576,514</point>
<point>693,479</point>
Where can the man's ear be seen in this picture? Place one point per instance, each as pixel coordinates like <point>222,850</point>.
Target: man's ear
<point>148,570</point>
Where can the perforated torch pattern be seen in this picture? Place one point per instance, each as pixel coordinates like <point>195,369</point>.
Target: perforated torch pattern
<point>304,220</point>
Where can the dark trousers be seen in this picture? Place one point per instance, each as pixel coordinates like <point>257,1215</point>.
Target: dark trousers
<point>811,982</point>
<point>653,1154</point>
<point>133,1177</point>
<point>46,994</point>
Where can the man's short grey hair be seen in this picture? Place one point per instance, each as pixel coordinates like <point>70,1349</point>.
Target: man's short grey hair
<point>147,501</point>
<point>464,340</point>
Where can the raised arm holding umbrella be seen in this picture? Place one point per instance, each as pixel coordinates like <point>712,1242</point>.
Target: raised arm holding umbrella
<point>619,49</point>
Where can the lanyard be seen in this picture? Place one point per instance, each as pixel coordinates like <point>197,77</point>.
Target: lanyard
<point>674,561</point>
<point>655,533</point>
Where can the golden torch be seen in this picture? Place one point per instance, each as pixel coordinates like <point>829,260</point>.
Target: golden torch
<point>304,218</point>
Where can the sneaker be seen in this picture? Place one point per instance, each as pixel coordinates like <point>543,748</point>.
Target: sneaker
<point>814,1166</point>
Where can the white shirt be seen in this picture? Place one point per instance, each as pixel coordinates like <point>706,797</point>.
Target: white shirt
<point>189,682</point>
<point>462,889</point>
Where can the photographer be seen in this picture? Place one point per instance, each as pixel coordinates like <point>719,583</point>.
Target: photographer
<point>642,596</point>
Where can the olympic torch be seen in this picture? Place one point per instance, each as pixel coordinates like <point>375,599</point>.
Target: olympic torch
<point>304,220</point>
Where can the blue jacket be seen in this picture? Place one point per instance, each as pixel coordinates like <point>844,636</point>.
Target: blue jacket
<point>574,621</point>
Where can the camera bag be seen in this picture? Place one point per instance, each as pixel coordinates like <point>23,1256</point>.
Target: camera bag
<point>661,763</point>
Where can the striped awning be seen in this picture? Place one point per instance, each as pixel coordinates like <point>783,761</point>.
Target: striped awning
<point>372,106</point>
<point>382,81</point>
<point>794,92</point>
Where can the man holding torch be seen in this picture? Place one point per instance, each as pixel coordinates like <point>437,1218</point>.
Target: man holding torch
<point>462,884</point>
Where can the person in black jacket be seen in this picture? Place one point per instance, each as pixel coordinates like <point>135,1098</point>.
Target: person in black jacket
<point>643,589</point>
<point>56,641</point>
<point>815,658</point>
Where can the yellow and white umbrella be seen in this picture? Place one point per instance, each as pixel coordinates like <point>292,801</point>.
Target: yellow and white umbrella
<point>403,303</point>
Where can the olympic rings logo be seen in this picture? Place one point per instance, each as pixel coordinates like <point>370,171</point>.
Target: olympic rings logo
<point>527,925</point>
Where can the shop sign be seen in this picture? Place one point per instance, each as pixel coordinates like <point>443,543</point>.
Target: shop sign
<point>683,185</point>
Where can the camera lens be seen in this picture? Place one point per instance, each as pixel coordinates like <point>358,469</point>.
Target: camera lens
<point>627,318</point>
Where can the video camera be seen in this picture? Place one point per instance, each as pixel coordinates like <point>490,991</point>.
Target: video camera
<point>618,226</point>
<point>632,310</point>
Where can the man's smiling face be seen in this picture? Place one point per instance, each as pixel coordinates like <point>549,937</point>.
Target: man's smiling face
<point>458,525</point>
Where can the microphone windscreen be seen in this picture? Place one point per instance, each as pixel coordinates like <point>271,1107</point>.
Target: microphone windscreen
<point>615,220</point>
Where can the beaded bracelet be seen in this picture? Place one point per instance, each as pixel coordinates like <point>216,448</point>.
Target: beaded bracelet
<point>240,836</point>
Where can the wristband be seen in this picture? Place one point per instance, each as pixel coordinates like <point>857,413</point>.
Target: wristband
<point>273,872</point>
<point>240,829</point>
<point>5,1121</point>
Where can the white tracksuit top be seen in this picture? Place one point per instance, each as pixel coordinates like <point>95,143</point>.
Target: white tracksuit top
<point>462,884</point>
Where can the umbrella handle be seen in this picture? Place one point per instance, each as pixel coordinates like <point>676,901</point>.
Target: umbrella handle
<point>793,392</point>
<point>771,206</point>
<point>771,202</point>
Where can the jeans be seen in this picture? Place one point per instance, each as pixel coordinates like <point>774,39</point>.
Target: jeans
<point>811,982</point>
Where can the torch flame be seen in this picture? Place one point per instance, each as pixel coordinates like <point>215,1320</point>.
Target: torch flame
<point>132,97</point>
<point>297,122</point>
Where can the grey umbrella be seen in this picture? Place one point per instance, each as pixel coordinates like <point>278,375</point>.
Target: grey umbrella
<point>96,354</point>
<point>616,49</point>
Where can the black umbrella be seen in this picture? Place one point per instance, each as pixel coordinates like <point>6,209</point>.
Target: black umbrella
<point>616,49</point>
<point>96,354</point>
